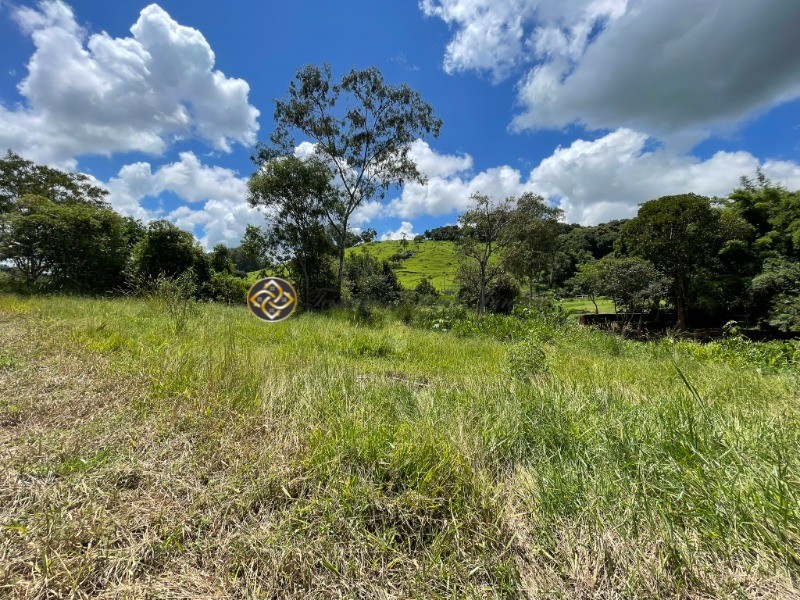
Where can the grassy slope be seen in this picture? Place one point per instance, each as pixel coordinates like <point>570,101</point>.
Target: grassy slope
<point>434,260</point>
<point>147,454</point>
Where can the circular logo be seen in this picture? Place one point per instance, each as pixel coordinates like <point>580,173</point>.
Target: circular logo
<point>272,299</point>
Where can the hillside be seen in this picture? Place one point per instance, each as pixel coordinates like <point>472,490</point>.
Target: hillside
<point>434,260</point>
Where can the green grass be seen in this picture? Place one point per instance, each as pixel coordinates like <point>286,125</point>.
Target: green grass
<point>584,305</point>
<point>436,261</point>
<point>205,453</point>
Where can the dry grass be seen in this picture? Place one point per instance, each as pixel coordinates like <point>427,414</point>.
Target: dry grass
<point>324,460</point>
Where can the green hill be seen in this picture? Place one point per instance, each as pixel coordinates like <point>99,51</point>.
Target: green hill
<point>435,260</point>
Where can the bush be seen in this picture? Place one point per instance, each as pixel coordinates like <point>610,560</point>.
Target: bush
<point>228,288</point>
<point>501,291</point>
<point>425,290</point>
<point>501,294</point>
<point>527,359</point>
<point>372,281</point>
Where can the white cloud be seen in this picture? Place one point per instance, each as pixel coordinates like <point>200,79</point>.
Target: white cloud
<point>595,181</point>
<point>406,229</point>
<point>591,180</point>
<point>369,211</point>
<point>676,69</point>
<point>433,164</point>
<point>224,213</point>
<point>94,94</point>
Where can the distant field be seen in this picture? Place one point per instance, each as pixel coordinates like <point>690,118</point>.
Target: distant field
<point>434,260</point>
<point>584,305</point>
<point>159,450</point>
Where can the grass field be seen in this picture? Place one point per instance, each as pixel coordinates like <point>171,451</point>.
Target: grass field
<point>584,305</point>
<point>150,451</point>
<point>435,260</point>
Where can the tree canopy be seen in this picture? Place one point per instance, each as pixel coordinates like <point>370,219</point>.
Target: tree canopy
<point>361,126</point>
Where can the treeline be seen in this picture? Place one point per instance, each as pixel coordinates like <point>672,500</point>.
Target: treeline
<point>58,233</point>
<point>704,261</point>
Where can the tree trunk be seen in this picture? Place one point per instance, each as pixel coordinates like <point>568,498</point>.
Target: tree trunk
<point>340,274</point>
<point>680,300</point>
<point>482,292</point>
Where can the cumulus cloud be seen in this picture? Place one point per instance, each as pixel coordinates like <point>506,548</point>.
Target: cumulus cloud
<point>222,212</point>
<point>443,195</point>
<point>406,229</point>
<point>591,180</point>
<point>94,94</point>
<point>676,69</point>
<point>594,181</point>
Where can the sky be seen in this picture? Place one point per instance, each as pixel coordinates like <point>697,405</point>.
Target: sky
<point>598,105</point>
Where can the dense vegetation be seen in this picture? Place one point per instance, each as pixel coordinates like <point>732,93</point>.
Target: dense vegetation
<point>696,261</point>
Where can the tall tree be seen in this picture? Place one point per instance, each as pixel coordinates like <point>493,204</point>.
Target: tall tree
<point>221,259</point>
<point>531,237</point>
<point>20,177</point>
<point>165,249</point>
<point>362,126</point>
<point>483,227</point>
<point>679,235</point>
<point>297,195</point>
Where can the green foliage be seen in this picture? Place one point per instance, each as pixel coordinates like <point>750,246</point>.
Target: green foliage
<point>300,196</point>
<point>225,287</point>
<point>527,359</point>
<point>362,128</point>
<point>772,211</point>
<point>634,284</point>
<point>369,280</point>
<point>679,235</point>
<point>777,291</point>
<point>253,251</point>
<point>447,233</point>
<point>20,178</point>
<point>425,291</point>
<point>483,226</point>
<point>78,246</point>
<point>530,238</point>
<point>220,259</point>
<point>166,251</point>
<point>499,293</point>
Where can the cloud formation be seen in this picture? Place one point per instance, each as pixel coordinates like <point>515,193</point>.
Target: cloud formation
<point>94,94</point>
<point>405,231</point>
<point>678,70</point>
<point>222,212</point>
<point>591,180</point>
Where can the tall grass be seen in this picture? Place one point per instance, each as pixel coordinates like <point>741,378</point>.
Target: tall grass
<point>365,457</point>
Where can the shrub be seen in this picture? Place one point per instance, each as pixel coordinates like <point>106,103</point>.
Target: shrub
<point>228,288</point>
<point>527,359</point>
<point>425,290</point>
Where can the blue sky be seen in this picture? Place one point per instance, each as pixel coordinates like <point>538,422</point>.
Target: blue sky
<point>596,104</point>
